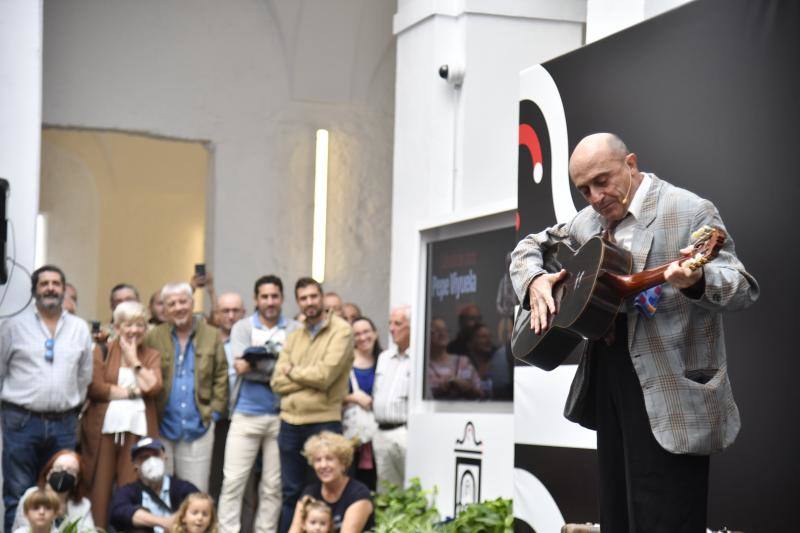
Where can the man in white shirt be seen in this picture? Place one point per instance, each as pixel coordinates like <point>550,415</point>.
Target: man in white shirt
<point>45,369</point>
<point>390,401</point>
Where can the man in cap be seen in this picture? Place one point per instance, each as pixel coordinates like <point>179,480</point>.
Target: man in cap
<point>153,500</point>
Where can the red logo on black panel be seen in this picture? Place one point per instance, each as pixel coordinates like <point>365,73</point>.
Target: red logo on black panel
<point>534,169</point>
<point>529,139</point>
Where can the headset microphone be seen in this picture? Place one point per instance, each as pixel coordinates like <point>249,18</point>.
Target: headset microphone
<point>624,199</point>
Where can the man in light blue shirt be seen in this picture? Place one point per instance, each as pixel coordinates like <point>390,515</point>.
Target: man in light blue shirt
<point>45,369</point>
<point>255,408</point>
<point>195,392</point>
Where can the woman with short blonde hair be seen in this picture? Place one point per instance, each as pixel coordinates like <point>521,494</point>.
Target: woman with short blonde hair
<point>334,443</point>
<point>330,455</point>
<point>126,378</point>
<point>129,312</point>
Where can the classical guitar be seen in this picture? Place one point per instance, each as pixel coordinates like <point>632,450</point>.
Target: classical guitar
<point>598,280</point>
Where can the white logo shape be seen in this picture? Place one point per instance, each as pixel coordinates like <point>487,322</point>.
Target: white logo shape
<point>537,85</point>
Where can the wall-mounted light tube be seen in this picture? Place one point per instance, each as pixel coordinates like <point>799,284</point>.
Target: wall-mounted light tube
<point>40,241</point>
<point>320,206</point>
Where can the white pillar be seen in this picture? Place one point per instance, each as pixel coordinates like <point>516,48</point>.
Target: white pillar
<point>20,136</point>
<point>455,153</point>
<point>455,159</point>
<point>455,146</point>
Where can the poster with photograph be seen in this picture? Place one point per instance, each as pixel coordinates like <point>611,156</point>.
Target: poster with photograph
<point>470,309</point>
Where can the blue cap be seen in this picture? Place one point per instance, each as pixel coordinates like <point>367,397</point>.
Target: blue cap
<point>146,443</point>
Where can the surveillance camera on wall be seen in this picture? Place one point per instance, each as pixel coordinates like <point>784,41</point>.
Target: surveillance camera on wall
<point>452,74</point>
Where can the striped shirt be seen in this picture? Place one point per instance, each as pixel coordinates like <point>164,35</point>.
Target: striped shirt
<point>28,379</point>
<point>390,392</point>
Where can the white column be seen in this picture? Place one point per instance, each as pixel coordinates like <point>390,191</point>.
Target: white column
<point>20,135</point>
<point>455,159</point>
<point>455,146</point>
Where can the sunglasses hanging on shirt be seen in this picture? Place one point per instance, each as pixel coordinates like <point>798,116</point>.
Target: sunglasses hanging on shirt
<point>49,353</point>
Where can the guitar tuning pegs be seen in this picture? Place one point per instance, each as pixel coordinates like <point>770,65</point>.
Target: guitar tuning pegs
<point>701,233</point>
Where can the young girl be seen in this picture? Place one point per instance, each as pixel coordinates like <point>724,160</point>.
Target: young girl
<point>317,516</point>
<point>40,509</point>
<point>196,515</point>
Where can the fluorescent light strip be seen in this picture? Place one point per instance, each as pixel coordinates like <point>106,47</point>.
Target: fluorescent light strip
<point>40,240</point>
<point>320,206</point>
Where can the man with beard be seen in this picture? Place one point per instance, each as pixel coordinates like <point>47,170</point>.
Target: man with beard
<point>255,422</point>
<point>45,369</point>
<point>195,392</point>
<point>311,376</point>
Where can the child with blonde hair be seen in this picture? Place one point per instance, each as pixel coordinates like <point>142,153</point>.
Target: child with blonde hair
<point>196,515</point>
<point>40,510</point>
<point>317,516</point>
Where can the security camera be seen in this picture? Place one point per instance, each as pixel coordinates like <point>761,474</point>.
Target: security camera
<point>452,74</point>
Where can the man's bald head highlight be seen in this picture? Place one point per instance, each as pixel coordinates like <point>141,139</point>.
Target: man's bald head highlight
<point>608,144</point>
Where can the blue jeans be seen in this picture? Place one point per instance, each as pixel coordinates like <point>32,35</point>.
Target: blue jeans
<point>295,470</point>
<point>28,443</point>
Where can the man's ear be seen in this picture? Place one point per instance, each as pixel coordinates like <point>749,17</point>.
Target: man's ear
<point>633,162</point>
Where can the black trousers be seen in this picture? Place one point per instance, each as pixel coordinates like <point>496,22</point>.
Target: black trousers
<point>643,488</point>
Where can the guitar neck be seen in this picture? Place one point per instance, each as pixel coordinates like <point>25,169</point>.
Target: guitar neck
<point>630,284</point>
<point>707,242</point>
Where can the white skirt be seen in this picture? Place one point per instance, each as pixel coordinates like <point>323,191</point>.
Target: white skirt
<point>126,415</point>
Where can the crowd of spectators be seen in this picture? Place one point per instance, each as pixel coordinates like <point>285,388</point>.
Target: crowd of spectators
<point>168,420</point>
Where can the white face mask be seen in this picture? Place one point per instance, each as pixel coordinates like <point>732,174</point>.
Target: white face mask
<point>152,469</point>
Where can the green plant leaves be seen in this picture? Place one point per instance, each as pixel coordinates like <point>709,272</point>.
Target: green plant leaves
<point>405,510</point>
<point>494,516</point>
<point>412,510</point>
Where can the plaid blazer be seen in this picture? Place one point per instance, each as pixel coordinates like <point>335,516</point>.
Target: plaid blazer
<point>679,354</point>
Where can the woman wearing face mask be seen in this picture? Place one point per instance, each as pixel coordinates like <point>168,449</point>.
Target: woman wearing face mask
<point>61,476</point>
<point>126,378</point>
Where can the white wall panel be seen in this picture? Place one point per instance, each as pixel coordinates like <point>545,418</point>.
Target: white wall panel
<point>254,78</point>
<point>20,136</point>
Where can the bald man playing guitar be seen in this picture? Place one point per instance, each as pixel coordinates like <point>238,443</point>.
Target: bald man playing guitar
<point>655,385</point>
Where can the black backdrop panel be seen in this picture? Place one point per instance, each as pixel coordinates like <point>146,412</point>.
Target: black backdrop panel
<point>707,96</point>
<point>570,475</point>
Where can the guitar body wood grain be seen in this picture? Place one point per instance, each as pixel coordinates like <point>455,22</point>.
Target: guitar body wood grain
<point>588,303</point>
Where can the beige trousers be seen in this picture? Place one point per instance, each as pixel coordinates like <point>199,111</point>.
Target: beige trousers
<point>191,461</point>
<point>249,435</point>
<point>389,447</point>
